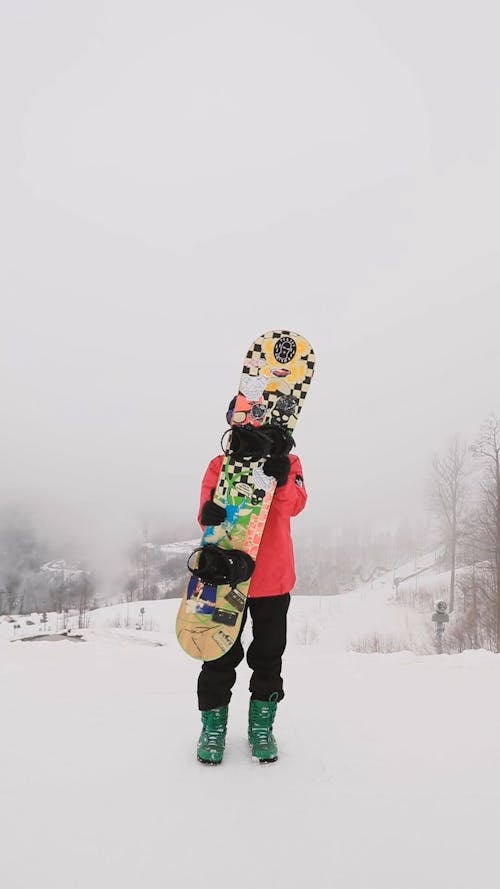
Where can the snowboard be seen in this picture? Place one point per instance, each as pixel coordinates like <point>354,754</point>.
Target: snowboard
<point>276,376</point>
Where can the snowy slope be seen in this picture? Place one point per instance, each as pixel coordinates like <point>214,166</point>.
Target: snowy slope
<point>338,621</point>
<point>388,773</point>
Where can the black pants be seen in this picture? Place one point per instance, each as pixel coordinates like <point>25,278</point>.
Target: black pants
<point>263,656</point>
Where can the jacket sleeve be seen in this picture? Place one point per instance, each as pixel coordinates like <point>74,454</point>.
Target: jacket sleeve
<point>209,482</point>
<point>292,497</point>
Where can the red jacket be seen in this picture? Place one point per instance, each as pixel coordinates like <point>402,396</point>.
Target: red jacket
<point>274,572</point>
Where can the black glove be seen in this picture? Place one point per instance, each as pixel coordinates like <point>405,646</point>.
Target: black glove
<point>279,468</point>
<point>212,514</point>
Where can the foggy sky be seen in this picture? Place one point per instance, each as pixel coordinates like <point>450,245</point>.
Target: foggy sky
<point>179,177</point>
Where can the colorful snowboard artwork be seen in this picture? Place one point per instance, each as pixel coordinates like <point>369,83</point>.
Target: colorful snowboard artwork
<point>276,376</point>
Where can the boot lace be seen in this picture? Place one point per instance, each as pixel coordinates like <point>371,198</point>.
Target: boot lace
<point>261,737</point>
<point>213,729</point>
<point>262,730</point>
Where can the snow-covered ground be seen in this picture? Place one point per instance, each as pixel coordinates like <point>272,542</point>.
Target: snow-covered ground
<point>388,774</point>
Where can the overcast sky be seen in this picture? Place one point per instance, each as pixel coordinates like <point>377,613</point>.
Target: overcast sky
<point>179,177</point>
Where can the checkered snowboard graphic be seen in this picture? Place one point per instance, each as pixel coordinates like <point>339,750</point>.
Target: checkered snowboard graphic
<point>276,376</point>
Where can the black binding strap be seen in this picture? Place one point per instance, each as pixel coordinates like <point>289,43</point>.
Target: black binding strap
<point>223,441</point>
<point>218,566</point>
<point>256,442</point>
<point>280,440</point>
<point>248,441</point>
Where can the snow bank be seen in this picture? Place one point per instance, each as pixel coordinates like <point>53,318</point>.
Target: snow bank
<point>388,773</point>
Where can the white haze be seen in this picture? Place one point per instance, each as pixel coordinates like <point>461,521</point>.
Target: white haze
<point>179,177</point>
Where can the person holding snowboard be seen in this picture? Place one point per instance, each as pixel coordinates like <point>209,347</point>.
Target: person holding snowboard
<point>268,601</point>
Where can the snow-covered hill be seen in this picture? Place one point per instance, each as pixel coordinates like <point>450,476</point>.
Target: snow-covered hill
<point>341,622</point>
<point>388,773</point>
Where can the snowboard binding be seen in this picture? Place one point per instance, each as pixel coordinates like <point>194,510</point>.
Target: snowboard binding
<point>217,566</point>
<point>281,441</point>
<point>255,443</point>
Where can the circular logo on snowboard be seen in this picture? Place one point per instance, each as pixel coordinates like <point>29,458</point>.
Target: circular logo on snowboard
<point>285,349</point>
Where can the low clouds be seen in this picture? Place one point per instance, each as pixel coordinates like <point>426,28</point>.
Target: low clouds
<point>177,186</point>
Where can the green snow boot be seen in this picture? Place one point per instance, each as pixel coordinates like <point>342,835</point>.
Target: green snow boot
<point>260,724</point>
<point>212,740</point>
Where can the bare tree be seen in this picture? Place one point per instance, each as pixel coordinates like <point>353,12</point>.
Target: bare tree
<point>487,450</point>
<point>448,499</point>
<point>21,554</point>
<point>86,590</point>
